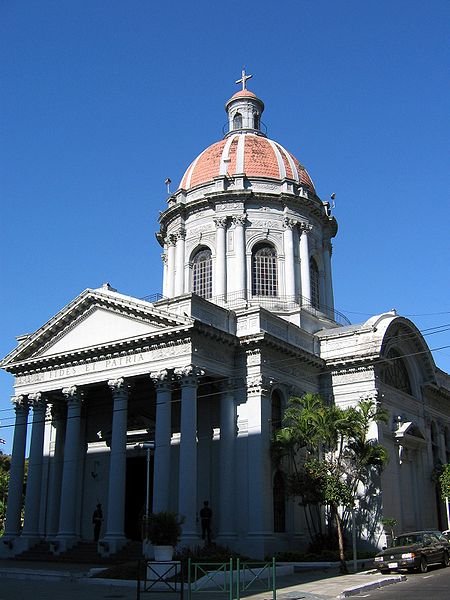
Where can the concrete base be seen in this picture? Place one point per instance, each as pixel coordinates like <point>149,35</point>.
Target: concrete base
<point>60,545</point>
<point>108,546</point>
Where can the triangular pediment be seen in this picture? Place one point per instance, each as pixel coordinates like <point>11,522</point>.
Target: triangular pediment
<point>98,327</point>
<point>95,319</point>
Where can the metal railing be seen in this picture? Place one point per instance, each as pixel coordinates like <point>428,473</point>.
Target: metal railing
<point>161,577</point>
<point>231,579</point>
<point>245,298</point>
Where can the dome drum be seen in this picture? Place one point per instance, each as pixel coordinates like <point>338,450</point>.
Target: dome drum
<point>246,223</point>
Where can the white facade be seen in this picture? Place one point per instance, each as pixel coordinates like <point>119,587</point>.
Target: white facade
<point>247,320</point>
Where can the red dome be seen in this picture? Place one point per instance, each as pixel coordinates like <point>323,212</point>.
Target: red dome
<point>249,153</point>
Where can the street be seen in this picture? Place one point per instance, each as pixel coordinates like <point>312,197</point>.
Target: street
<point>435,584</point>
<point>32,589</point>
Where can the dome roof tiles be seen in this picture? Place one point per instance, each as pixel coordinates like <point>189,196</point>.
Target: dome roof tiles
<point>249,153</point>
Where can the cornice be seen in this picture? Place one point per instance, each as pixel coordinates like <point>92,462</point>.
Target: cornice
<point>214,197</point>
<point>127,347</point>
<point>251,342</point>
<point>67,318</point>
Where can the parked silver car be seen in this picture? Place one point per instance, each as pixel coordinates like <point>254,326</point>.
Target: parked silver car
<point>414,551</point>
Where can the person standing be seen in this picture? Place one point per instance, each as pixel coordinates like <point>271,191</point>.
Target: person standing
<point>205,518</point>
<point>97,519</point>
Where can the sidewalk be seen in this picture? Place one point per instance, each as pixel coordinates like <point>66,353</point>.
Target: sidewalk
<point>42,580</point>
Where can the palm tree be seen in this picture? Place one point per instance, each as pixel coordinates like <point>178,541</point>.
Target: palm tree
<point>328,454</point>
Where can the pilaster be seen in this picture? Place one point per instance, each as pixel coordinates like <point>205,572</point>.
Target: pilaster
<point>305,229</point>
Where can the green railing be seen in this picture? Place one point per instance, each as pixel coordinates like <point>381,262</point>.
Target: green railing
<point>230,579</point>
<point>210,578</point>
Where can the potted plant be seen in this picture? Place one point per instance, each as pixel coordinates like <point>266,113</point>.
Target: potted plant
<point>163,530</point>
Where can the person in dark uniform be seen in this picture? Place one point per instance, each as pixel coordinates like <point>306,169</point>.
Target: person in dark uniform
<point>205,518</point>
<point>97,519</point>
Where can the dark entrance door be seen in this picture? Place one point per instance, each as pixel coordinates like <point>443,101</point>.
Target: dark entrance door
<point>135,495</point>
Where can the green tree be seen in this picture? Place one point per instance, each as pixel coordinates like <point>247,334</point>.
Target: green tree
<point>328,454</point>
<point>5,465</point>
<point>444,482</point>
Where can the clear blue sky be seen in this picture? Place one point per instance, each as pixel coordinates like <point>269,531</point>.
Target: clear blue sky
<point>101,100</point>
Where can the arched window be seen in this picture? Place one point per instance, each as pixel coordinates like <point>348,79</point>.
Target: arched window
<point>279,503</point>
<point>314,278</point>
<point>237,121</point>
<point>255,120</point>
<point>394,372</point>
<point>202,273</point>
<point>264,271</point>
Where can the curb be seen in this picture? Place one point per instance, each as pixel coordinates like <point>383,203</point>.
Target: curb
<point>372,586</point>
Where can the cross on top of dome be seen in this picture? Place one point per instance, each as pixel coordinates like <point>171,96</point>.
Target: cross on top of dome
<point>243,79</point>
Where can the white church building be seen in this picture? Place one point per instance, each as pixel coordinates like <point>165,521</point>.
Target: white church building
<point>188,388</point>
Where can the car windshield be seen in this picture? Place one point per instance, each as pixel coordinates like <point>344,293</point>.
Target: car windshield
<point>407,540</point>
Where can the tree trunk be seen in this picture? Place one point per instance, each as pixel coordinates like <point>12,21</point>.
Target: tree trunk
<point>343,565</point>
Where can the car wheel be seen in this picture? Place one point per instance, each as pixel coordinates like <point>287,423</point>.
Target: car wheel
<point>423,567</point>
<point>445,560</point>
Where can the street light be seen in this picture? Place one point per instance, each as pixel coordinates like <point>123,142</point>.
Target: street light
<point>148,447</point>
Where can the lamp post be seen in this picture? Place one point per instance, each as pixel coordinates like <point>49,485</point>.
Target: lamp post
<point>148,447</point>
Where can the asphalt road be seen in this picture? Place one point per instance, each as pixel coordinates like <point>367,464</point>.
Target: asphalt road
<point>434,585</point>
<point>28,589</point>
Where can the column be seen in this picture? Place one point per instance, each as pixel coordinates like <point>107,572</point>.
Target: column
<point>34,480</point>
<point>239,285</point>
<point>289,261</point>
<point>221,257</point>
<point>187,494</point>
<point>304,264</point>
<point>67,533</point>
<point>115,535</point>
<point>56,470</point>
<point>16,473</point>
<point>260,516</point>
<point>165,274</point>
<point>227,497</point>
<point>329,297</point>
<point>163,435</point>
<point>170,285</point>
<point>179,259</point>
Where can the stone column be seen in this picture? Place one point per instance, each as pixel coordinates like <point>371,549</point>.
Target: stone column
<point>260,517</point>
<point>221,257</point>
<point>289,260</point>
<point>115,522</point>
<point>163,435</point>
<point>165,273</point>
<point>56,470</point>
<point>227,497</point>
<point>240,280</point>
<point>187,495</point>
<point>179,259</point>
<point>16,473</point>
<point>170,284</point>
<point>304,264</point>
<point>34,480</point>
<point>329,297</point>
<point>68,534</point>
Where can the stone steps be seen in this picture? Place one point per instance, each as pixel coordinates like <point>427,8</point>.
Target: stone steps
<point>84,552</point>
